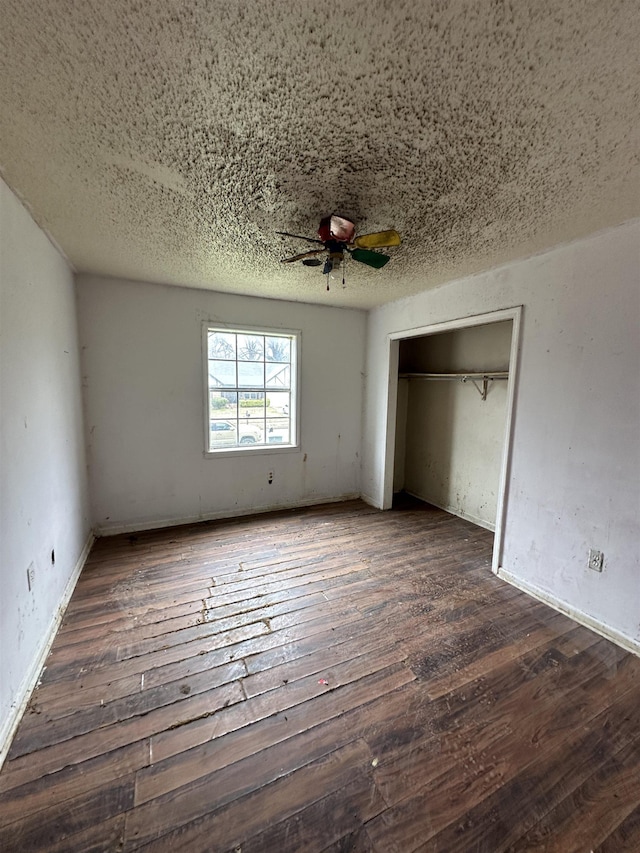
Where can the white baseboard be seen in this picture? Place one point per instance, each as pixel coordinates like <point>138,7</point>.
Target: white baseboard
<point>617,637</point>
<point>481,522</point>
<point>370,501</point>
<point>29,682</point>
<point>155,524</point>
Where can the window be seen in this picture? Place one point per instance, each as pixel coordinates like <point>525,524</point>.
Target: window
<point>251,389</point>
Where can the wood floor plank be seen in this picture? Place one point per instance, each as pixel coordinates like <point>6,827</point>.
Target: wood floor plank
<point>337,819</point>
<point>505,714</point>
<point>287,696</point>
<point>329,679</point>
<point>79,688</point>
<point>488,759</point>
<point>357,841</point>
<point>49,826</point>
<point>92,672</point>
<point>188,803</point>
<point>70,782</point>
<point>325,705</point>
<point>625,838</point>
<point>106,835</point>
<point>354,707</point>
<point>110,711</point>
<point>465,672</point>
<point>590,813</point>
<point>247,815</point>
<point>164,654</point>
<point>49,759</point>
<point>538,787</point>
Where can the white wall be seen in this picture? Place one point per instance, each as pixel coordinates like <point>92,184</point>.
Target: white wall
<point>574,479</point>
<point>454,438</point>
<point>44,497</point>
<point>143,387</point>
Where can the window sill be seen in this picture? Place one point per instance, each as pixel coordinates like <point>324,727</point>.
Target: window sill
<point>262,450</point>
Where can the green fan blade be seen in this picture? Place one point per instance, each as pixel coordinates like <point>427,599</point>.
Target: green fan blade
<point>378,240</point>
<point>372,259</point>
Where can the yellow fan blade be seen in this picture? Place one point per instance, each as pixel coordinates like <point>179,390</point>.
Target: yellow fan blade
<point>378,240</point>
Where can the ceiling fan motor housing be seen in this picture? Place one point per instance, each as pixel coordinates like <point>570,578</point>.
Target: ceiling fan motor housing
<point>337,228</point>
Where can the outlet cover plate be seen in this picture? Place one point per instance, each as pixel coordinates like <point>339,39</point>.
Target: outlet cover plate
<point>596,559</point>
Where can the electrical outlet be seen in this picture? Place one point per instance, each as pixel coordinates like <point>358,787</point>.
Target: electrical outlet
<point>596,559</point>
<point>31,576</point>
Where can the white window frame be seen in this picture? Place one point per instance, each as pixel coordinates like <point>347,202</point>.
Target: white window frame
<point>294,407</point>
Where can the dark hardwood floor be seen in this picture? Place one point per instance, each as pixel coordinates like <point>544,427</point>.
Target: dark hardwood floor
<point>329,679</point>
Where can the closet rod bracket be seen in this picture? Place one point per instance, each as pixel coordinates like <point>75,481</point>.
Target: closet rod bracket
<point>485,385</point>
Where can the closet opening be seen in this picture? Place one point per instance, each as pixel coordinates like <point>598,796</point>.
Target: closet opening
<point>450,415</point>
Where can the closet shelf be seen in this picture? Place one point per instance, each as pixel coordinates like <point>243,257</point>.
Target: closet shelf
<point>474,378</point>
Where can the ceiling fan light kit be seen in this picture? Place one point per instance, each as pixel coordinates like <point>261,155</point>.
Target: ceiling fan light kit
<point>338,236</point>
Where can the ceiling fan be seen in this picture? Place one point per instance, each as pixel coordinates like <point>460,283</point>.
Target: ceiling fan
<point>337,236</point>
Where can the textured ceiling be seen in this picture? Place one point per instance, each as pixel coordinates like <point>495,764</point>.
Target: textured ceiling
<point>168,141</point>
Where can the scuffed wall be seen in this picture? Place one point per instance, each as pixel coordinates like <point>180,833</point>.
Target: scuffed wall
<point>143,386</point>
<point>574,480</point>
<point>44,517</point>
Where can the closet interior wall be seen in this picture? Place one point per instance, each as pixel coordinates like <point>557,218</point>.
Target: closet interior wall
<point>449,441</point>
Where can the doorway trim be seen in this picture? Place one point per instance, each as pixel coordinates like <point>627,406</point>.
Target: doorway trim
<point>514,314</point>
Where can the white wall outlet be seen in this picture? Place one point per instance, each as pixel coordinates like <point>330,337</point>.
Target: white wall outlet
<point>31,576</point>
<point>596,559</point>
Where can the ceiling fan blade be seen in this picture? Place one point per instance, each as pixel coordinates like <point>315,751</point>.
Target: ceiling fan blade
<point>299,237</point>
<point>371,259</point>
<point>302,255</point>
<point>378,240</point>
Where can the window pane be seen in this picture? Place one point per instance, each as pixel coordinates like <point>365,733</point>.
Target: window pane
<point>278,375</point>
<point>277,349</point>
<point>250,374</point>
<point>223,404</point>
<point>250,347</point>
<point>252,406</point>
<point>222,374</point>
<point>222,433</point>
<point>232,400</point>
<point>222,345</point>
<point>278,431</point>
<point>279,403</point>
<point>250,431</point>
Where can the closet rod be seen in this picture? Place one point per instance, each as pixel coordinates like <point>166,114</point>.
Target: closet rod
<point>461,376</point>
<point>485,378</point>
